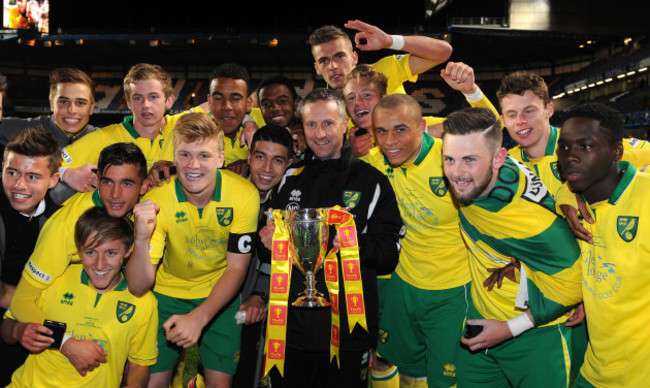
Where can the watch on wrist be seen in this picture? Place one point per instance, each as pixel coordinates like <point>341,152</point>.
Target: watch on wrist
<point>262,295</point>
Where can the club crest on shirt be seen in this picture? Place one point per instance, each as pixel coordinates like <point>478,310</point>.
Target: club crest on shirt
<point>224,215</point>
<point>351,198</point>
<point>437,186</point>
<point>627,226</point>
<point>124,311</point>
<point>555,171</point>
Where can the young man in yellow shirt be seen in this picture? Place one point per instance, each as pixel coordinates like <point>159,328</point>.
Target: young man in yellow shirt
<point>615,266</point>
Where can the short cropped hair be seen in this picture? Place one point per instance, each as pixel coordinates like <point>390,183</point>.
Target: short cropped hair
<point>274,134</point>
<point>472,120</point>
<point>374,77</point>
<point>326,34</point>
<point>521,81</point>
<point>277,80</point>
<point>70,75</point>
<point>199,126</point>
<point>393,101</point>
<point>146,71</point>
<point>36,142</point>
<point>610,120</point>
<point>234,71</point>
<point>323,94</point>
<point>120,154</point>
<point>96,222</point>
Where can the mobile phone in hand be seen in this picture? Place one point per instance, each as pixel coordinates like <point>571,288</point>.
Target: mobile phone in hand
<point>58,330</point>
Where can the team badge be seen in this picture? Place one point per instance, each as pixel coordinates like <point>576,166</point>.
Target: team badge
<point>627,226</point>
<point>124,311</point>
<point>556,171</point>
<point>351,198</point>
<point>224,215</point>
<point>437,186</point>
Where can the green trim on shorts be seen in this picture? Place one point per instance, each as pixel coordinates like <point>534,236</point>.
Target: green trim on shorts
<point>219,342</point>
<point>421,333</point>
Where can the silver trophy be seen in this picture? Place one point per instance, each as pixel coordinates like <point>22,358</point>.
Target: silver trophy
<point>308,232</point>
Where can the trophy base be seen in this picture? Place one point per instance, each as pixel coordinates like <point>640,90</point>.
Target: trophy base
<point>311,301</point>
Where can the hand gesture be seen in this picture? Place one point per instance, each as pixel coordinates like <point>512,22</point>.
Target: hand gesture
<point>459,76</point>
<point>375,38</point>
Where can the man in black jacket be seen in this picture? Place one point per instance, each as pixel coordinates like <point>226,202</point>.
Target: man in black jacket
<point>332,176</point>
<point>30,168</point>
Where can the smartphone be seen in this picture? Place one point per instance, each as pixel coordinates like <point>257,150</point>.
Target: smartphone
<point>473,330</point>
<point>172,171</point>
<point>58,330</point>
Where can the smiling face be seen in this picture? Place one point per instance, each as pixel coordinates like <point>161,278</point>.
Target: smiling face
<point>361,96</point>
<point>324,128</point>
<point>268,161</point>
<point>26,179</point>
<point>72,105</point>
<point>103,262</point>
<point>334,60</point>
<point>197,164</point>
<point>398,134</point>
<point>120,188</point>
<point>148,103</point>
<point>587,160</point>
<point>528,121</point>
<point>470,165</point>
<point>229,103</point>
<point>277,104</point>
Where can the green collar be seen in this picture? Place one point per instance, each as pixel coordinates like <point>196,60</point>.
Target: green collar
<point>96,200</point>
<point>427,144</point>
<point>180,194</point>
<point>121,286</point>
<point>550,146</point>
<point>629,172</point>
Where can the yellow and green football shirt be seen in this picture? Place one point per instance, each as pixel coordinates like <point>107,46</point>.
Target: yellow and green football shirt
<point>55,247</point>
<point>86,150</point>
<point>616,290</point>
<point>636,151</point>
<point>517,219</point>
<point>192,243</point>
<point>433,255</point>
<point>398,70</point>
<point>125,326</point>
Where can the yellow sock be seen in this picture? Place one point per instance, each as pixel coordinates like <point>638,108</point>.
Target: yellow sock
<point>199,381</point>
<point>177,379</point>
<point>388,378</point>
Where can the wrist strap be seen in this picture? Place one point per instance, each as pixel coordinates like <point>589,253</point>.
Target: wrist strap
<point>398,42</point>
<point>65,338</point>
<point>520,324</point>
<point>474,97</point>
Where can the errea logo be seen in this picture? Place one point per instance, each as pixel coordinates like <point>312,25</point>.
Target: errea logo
<point>67,298</point>
<point>295,195</point>
<point>450,370</point>
<point>180,216</point>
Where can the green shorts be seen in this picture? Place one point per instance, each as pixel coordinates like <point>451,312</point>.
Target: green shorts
<point>382,290</point>
<point>421,329</point>
<point>537,358</point>
<point>219,342</point>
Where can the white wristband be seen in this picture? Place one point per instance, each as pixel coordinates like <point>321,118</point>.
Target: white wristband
<point>65,338</point>
<point>398,42</point>
<point>520,324</point>
<point>61,171</point>
<point>247,118</point>
<point>476,96</point>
